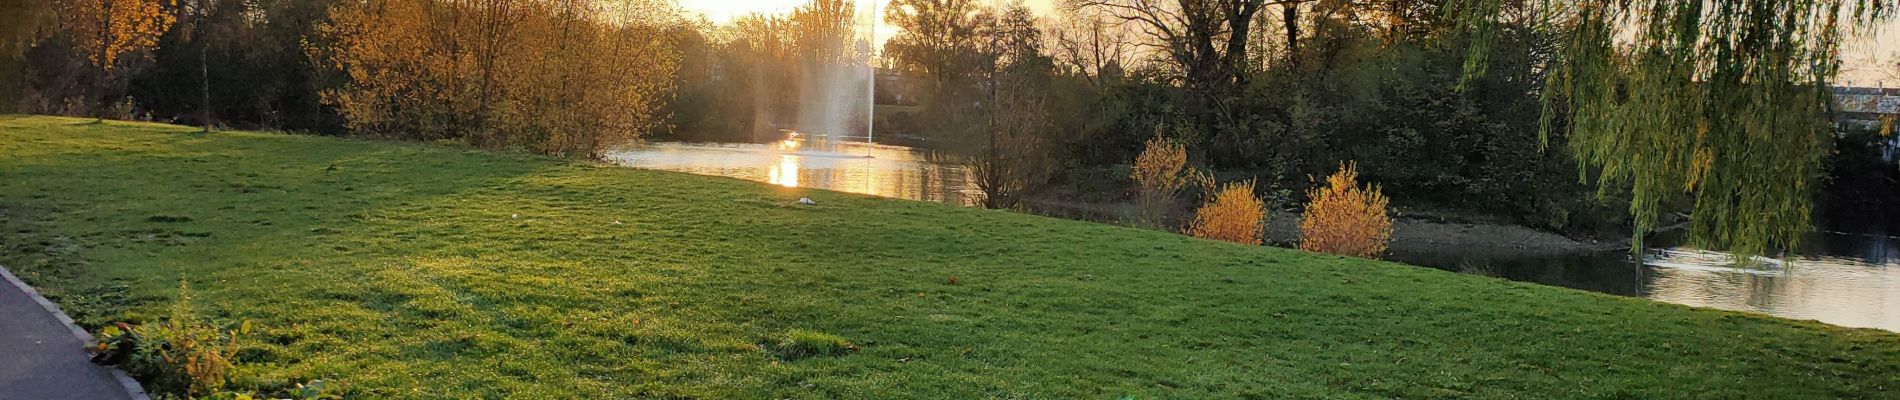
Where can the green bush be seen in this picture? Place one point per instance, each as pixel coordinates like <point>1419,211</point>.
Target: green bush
<point>181,356</point>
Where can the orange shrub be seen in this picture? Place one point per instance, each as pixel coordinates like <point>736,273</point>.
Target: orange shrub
<point>1344,219</point>
<point>1233,214</point>
<point>1159,173</point>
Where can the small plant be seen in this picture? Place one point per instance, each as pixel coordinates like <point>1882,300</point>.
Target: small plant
<point>1232,214</point>
<point>181,355</point>
<point>801,343</point>
<point>116,344</point>
<point>1343,218</point>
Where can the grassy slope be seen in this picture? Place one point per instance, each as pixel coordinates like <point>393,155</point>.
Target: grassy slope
<point>404,271</point>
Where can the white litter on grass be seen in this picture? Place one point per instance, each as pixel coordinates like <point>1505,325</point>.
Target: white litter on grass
<point>616,222</point>
<point>514,215</point>
<point>806,201</point>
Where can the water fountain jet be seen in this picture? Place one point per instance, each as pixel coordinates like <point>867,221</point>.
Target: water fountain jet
<point>837,83</point>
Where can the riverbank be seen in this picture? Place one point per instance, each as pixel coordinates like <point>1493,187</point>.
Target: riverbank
<point>1411,234</point>
<point>421,271</point>
<point>1415,235</point>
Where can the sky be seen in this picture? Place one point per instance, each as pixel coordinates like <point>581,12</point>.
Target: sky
<point>1869,60</point>
<point>720,11</point>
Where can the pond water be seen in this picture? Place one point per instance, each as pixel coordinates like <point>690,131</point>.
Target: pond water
<point>856,167</point>
<point>1843,279</point>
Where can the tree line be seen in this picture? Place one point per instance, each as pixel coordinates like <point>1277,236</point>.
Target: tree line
<point>550,76</point>
<point>1050,111</point>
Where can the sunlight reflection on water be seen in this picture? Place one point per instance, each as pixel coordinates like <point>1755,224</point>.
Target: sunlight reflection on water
<point>1841,279</point>
<point>880,170</point>
<point>1848,280</point>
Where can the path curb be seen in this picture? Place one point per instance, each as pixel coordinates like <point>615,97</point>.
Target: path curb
<point>130,385</point>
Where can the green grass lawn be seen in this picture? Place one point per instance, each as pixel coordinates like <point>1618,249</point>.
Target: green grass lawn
<point>421,271</point>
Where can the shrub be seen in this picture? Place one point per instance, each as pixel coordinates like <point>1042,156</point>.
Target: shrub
<point>181,356</point>
<point>800,343</point>
<point>127,109</point>
<point>75,107</point>
<point>1160,171</point>
<point>1232,214</point>
<point>1343,218</point>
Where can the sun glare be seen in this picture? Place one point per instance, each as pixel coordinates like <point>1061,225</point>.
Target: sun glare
<point>723,11</point>
<point>785,173</point>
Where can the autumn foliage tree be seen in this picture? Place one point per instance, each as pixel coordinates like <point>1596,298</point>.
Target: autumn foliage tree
<point>1346,219</point>
<point>568,77</point>
<point>1233,214</point>
<point>108,29</point>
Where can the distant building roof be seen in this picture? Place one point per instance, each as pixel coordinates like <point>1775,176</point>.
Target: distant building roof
<point>1860,102</point>
<point>1840,90</point>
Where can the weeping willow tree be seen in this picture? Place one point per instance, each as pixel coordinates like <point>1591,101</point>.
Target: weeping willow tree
<point>1724,102</point>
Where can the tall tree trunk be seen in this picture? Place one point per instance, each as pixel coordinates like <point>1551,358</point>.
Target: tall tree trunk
<point>1290,16</point>
<point>1396,22</point>
<point>995,196</point>
<point>99,90</point>
<point>204,79</point>
<point>104,59</point>
<point>204,69</point>
<point>1240,26</point>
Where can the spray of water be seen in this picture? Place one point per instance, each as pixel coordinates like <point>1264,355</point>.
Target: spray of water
<point>836,89</point>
